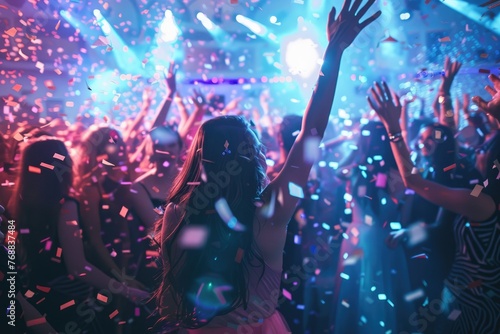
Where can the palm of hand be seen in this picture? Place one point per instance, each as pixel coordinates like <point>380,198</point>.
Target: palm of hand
<point>347,26</point>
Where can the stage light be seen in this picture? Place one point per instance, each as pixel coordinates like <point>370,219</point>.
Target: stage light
<point>404,16</point>
<point>301,57</point>
<point>207,23</point>
<point>169,29</point>
<point>254,26</point>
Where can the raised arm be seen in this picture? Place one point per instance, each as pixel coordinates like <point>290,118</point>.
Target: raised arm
<point>341,33</point>
<point>492,107</point>
<point>446,114</point>
<point>161,116</point>
<point>131,132</point>
<point>460,201</point>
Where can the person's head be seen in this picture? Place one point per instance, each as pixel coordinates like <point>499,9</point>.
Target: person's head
<point>289,129</point>
<point>43,183</point>
<point>100,145</point>
<point>224,162</point>
<point>164,146</point>
<point>223,145</point>
<point>45,174</point>
<point>436,144</point>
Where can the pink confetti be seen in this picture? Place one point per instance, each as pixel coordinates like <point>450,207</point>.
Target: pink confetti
<point>66,305</point>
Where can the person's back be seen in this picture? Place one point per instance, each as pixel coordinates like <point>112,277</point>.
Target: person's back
<point>229,220</point>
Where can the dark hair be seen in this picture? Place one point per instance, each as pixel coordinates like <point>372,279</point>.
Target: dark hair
<point>375,157</point>
<point>446,150</point>
<point>158,138</point>
<point>223,159</point>
<point>93,145</point>
<point>289,129</point>
<point>43,182</point>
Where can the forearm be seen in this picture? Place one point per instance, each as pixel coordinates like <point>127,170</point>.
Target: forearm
<point>192,124</point>
<point>162,114</point>
<point>318,111</point>
<point>138,121</point>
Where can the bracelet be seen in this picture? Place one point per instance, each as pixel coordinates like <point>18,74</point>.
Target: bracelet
<point>398,136</point>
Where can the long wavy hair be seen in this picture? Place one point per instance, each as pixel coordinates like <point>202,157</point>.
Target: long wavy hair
<point>43,182</point>
<point>225,146</point>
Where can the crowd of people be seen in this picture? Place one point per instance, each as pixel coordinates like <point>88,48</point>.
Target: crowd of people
<point>215,221</point>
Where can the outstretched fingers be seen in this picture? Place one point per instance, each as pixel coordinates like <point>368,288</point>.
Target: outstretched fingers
<point>345,7</point>
<point>364,9</point>
<point>376,96</point>
<point>370,19</point>
<point>331,16</point>
<point>482,104</point>
<point>355,6</point>
<point>490,90</point>
<point>495,80</point>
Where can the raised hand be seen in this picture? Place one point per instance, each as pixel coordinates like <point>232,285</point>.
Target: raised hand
<point>492,107</point>
<point>170,79</point>
<point>450,71</point>
<point>387,106</point>
<point>198,98</point>
<point>343,30</point>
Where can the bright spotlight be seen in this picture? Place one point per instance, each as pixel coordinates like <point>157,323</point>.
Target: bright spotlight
<point>254,26</point>
<point>404,16</point>
<point>301,57</point>
<point>207,23</point>
<point>169,29</point>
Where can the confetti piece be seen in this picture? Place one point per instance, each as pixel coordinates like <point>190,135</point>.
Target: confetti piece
<point>49,84</point>
<point>477,190</point>
<point>485,71</point>
<point>17,136</point>
<point>395,225</point>
<point>450,167</point>
<point>35,322</point>
<point>193,237</point>
<point>43,164</point>
<point>33,169</point>
<point>389,39</point>
<point>11,32</point>
<point>58,24</point>
<point>382,296</point>
<point>287,294</point>
<point>17,87</point>
<point>311,149</point>
<point>123,212</point>
<point>413,295</point>
<point>70,104</point>
<point>113,314</point>
<point>295,190</point>
<point>66,305</point>
<point>102,298</point>
<point>454,315</point>
<point>381,180</point>
<point>43,288</point>
<point>224,211</point>
<point>420,256</point>
<point>445,39</point>
<point>29,294</point>
<point>345,303</point>
<point>107,163</point>
<point>59,252</point>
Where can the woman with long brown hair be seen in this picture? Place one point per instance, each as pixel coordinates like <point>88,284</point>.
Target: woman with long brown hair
<point>224,229</point>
